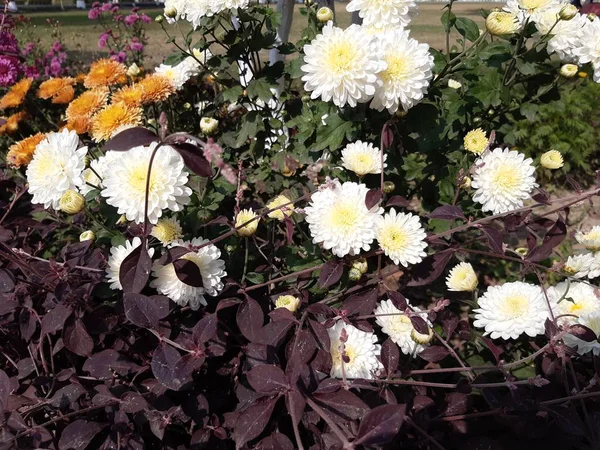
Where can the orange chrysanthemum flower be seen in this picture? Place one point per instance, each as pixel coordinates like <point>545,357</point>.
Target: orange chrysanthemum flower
<point>105,72</point>
<point>80,78</point>
<point>64,96</point>
<point>54,86</point>
<point>12,123</point>
<point>79,124</point>
<point>113,119</point>
<point>15,96</point>
<point>130,95</point>
<point>20,154</point>
<point>156,89</point>
<point>87,104</point>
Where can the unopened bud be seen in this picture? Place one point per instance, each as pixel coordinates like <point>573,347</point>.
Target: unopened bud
<point>420,338</point>
<point>361,265</point>
<point>208,125</point>
<point>466,183</point>
<point>354,274</point>
<point>568,12</point>
<point>159,19</point>
<point>88,235</point>
<point>324,14</point>
<point>288,302</point>
<point>170,12</point>
<point>71,202</point>
<point>389,187</point>
<point>187,106</point>
<point>500,23</point>
<point>582,74</point>
<point>133,70</point>
<point>568,70</point>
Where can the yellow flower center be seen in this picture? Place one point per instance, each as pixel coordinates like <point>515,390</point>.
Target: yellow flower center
<point>336,355</point>
<point>399,324</point>
<point>532,5</point>
<point>341,58</point>
<point>515,306</point>
<point>393,239</point>
<point>343,217</point>
<point>398,69</point>
<point>507,178</point>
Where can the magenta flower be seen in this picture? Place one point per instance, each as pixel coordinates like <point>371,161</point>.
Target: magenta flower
<point>8,43</point>
<point>130,19</point>
<point>31,72</point>
<point>145,18</point>
<point>137,47</point>
<point>93,14</point>
<point>105,7</point>
<point>8,71</point>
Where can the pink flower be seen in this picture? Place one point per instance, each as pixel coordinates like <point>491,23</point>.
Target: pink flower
<point>144,18</point>
<point>130,19</point>
<point>105,7</point>
<point>93,14</point>
<point>8,71</point>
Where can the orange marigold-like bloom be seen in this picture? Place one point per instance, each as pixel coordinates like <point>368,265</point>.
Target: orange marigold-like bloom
<point>64,96</point>
<point>113,119</point>
<point>20,154</point>
<point>15,96</point>
<point>87,104</point>
<point>54,86</point>
<point>105,72</point>
<point>130,95</point>
<point>156,89</point>
<point>79,124</point>
<point>12,123</point>
<point>80,78</point>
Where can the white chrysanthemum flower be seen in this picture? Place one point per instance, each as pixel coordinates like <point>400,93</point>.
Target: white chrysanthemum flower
<point>566,34</point>
<point>589,49</point>
<point>167,230</point>
<point>342,65</point>
<point>509,310</point>
<point>191,10</point>
<point>383,13</point>
<point>126,176</point>
<point>462,277</point>
<point>525,9</point>
<point>224,5</point>
<point>575,299</point>
<point>401,237</point>
<point>591,321</point>
<point>339,219</point>
<point>399,328</point>
<point>116,258</point>
<point>356,357</point>
<point>95,173</point>
<point>56,168</point>
<point>580,266</point>
<point>179,74</point>
<point>362,158</point>
<point>503,180</point>
<point>453,84</point>
<point>405,80</point>
<point>589,239</point>
<point>288,302</point>
<point>243,217</point>
<point>211,268</point>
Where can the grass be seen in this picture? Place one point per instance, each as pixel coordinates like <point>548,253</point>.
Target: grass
<point>80,34</point>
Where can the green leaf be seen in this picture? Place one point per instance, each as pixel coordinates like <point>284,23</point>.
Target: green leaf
<point>467,28</point>
<point>332,135</point>
<point>260,88</point>
<point>255,277</point>
<point>232,94</point>
<point>448,20</point>
<point>488,89</point>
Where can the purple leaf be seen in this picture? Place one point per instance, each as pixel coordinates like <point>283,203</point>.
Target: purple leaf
<point>132,402</point>
<point>343,404</point>
<point>67,395</point>
<point>447,212</point>
<point>550,328</point>
<point>129,138</point>
<point>205,329</point>
<point>194,159</point>
<point>7,281</point>
<point>582,332</point>
<point>496,351</point>
<point>253,421</point>
<point>135,270</point>
<point>434,353</point>
<point>320,334</point>
<point>103,365</point>
<point>78,434</point>
<point>331,272</point>
<point>380,425</point>
<point>164,360</point>
<point>300,351</point>
<point>361,304</point>
<point>390,356</point>
<point>553,238</point>
<point>397,200</point>
<point>273,333</point>
<point>145,311</point>
<point>267,379</point>
<point>276,441</point>
<point>295,404</point>
<point>5,390</point>
<point>250,318</point>
<point>373,197</point>
<point>55,319</point>
<point>387,136</point>
<point>430,268</point>
<point>398,300</point>
<point>77,339</point>
<point>494,238</point>
<point>419,324</point>
<point>188,272</point>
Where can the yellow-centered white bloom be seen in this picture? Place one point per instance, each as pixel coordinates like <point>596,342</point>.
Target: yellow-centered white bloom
<point>552,160</point>
<point>589,49</point>
<point>524,10</point>
<point>126,176</point>
<point>399,328</point>
<point>584,265</point>
<point>179,74</point>
<point>503,180</point>
<point>167,230</point>
<point>362,158</point>
<point>383,13</point>
<point>591,321</point>
<point>94,174</point>
<point>462,277</point>
<point>509,310</point>
<point>356,356</point>
<point>288,302</point>
<point>71,202</point>
<point>324,14</point>
<point>590,239</point>
<point>476,141</point>
<point>453,84</point>
<point>575,299</point>
<point>208,125</point>
<point>244,216</point>
<point>212,269</point>
<point>88,235</point>
<point>565,35</point>
<point>339,219</point>
<point>342,65</point>
<point>499,23</point>
<point>405,79</point>
<point>133,70</point>
<point>55,168</point>
<point>116,258</point>
<point>401,237</point>
<point>568,70</point>
<point>283,212</point>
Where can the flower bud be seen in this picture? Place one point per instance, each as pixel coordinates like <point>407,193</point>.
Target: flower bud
<point>159,19</point>
<point>354,274</point>
<point>466,183</point>
<point>133,70</point>
<point>208,125</point>
<point>88,235</point>
<point>453,84</point>
<point>568,12</point>
<point>582,74</point>
<point>591,17</point>
<point>244,216</point>
<point>170,12</point>
<point>552,160</point>
<point>71,202</point>
<point>187,106</point>
<point>500,23</point>
<point>420,338</point>
<point>288,302</point>
<point>389,187</point>
<point>230,248</point>
<point>522,251</point>
<point>568,70</point>
<point>122,220</point>
<point>361,265</point>
<point>324,14</point>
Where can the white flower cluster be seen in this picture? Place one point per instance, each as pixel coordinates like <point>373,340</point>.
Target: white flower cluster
<point>195,10</point>
<point>179,74</point>
<point>585,265</point>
